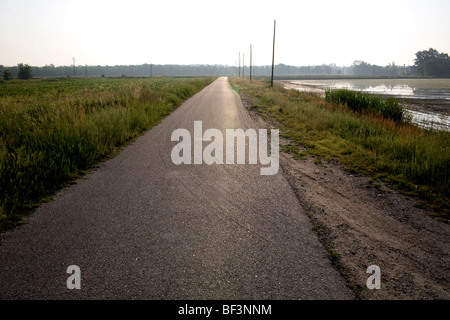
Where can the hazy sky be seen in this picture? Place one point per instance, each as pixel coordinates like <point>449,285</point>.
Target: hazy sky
<point>311,32</point>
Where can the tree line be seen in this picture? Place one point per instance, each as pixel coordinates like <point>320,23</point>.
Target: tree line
<point>427,63</point>
<point>432,63</point>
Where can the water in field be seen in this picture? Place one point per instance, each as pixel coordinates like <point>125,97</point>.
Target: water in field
<point>426,100</point>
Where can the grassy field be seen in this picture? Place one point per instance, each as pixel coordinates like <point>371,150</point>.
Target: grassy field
<point>410,159</point>
<point>52,131</point>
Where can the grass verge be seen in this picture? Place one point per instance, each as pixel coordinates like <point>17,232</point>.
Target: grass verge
<point>411,159</point>
<point>52,131</point>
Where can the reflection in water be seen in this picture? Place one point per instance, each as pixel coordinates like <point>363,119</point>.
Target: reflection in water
<point>418,89</point>
<point>430,120</point>
<point>413,93</point>
<point>391,90</point>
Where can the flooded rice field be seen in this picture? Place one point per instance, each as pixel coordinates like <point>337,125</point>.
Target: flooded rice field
<point>427,101</point>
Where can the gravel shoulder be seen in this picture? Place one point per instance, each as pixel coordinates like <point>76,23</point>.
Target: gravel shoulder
<point>366,225</point>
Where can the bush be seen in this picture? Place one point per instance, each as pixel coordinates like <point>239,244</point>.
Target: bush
<point>365,103</point>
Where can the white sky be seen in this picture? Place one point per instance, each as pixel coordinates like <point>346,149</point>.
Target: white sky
<point>310,32</point>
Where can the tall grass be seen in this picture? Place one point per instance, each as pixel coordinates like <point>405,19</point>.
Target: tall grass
<point>412,159</point>
<point>51,131</point>
<point>366,103</point>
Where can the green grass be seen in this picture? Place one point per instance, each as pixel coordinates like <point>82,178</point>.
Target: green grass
<point>410,159</point>
<point>366,103</point>
<point>52,131</point>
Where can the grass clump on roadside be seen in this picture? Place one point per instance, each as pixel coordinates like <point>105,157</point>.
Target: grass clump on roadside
<point>409,158</point>
<point>366,103</point>
<point>52,131</point>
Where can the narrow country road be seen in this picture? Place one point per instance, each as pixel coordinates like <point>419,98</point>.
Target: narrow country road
<point>141,227</point>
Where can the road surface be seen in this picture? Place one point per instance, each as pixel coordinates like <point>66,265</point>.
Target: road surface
<point>141,227</point>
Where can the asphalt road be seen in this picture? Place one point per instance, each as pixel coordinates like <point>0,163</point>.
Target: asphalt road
<point>141,227</point>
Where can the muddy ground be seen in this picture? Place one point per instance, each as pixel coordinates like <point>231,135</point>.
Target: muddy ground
<point>367,224</point>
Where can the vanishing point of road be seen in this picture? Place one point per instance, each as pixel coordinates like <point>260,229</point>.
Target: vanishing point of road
<point>141,227</point>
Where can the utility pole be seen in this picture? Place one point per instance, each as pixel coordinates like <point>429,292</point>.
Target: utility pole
<point>273,51</point>
<point>74,66</point>
<point>239,64</point>
<point>151,70</point>
<point>243,65</point>
<point>250,63</point>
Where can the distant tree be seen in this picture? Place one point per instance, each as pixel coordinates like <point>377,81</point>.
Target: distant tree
<point>7,74</point>
<point>432,63</point>
<point>361,68</point>
<point>392,69</point>
<point>24,71</point>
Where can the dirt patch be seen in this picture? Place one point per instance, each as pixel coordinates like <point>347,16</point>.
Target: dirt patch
<point>366,223</point>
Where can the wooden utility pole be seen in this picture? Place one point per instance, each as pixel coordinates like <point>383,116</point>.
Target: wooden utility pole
<point>239,64</point>
<point>250,63</point>
<point>273,51</point>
